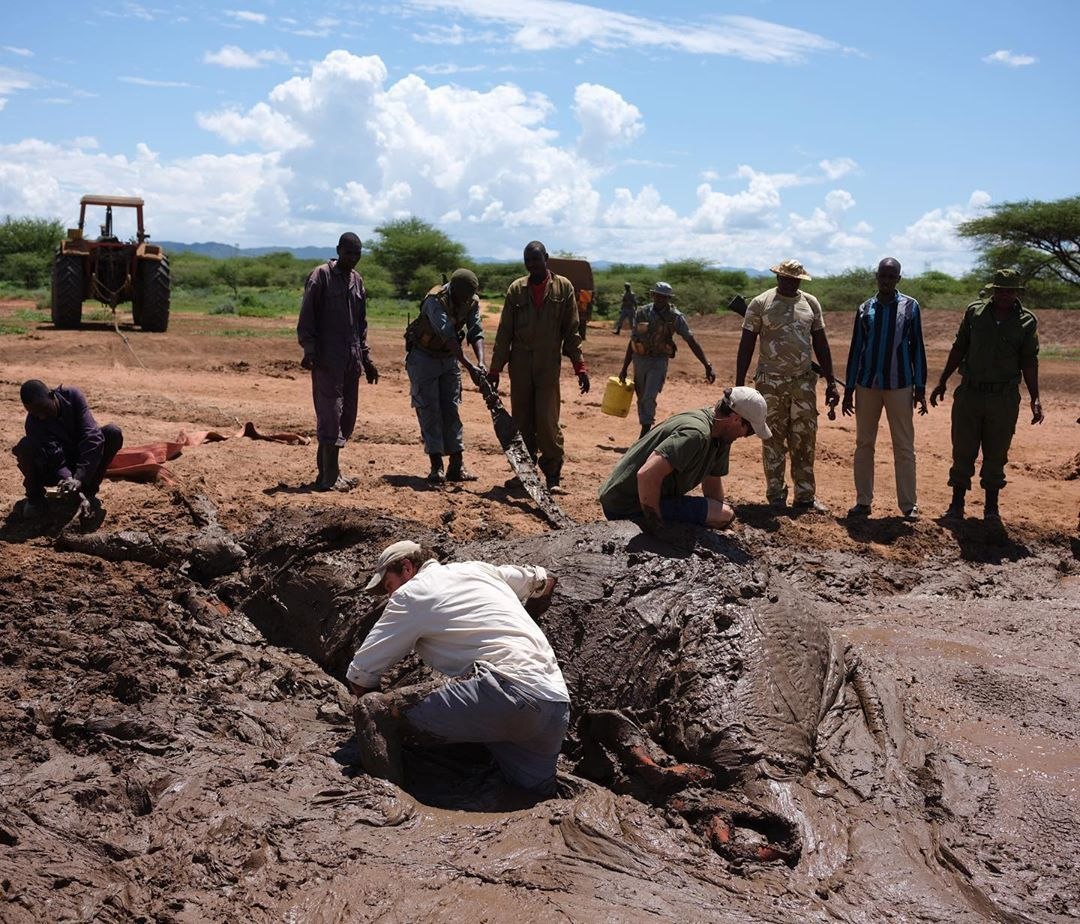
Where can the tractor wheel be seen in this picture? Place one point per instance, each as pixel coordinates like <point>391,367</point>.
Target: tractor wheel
<point>67,291</point>
<point>150,305</point>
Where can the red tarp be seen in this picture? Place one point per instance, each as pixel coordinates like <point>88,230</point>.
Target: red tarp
<point>148,461</point>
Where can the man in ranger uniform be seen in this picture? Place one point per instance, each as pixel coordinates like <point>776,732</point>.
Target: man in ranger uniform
<point>628,307</point>
<point>449,314</point>
<point>790,325</point>
<point>997,343</point>
<point>652,344</point>
<point>538,325</point>
<point>332,331</point>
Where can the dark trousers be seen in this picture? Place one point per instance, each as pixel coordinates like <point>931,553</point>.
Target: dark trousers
<point>986,420</point>
<point>41,469</point>
<point>335,393</point>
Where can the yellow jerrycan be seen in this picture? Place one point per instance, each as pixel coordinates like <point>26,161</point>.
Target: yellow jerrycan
<point>617,397</point>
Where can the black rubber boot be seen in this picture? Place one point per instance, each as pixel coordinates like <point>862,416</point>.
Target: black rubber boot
<point>436,476</point>
<point>331,468</point>
<point>456,470</point>
<point>321,483</point>
<point>956,508</point>
<point>990,511</point>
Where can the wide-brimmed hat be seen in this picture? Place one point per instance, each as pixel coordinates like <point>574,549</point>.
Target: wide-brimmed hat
<point>662,288</point>
<point>1006,279</point>
<point>749,404</point>
<point>391,554</point>
<point>792,268</point>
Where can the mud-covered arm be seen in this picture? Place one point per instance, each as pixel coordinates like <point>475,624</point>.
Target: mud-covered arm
<point>650,480</point>
<point>390,640</point>
<point>525,580</point>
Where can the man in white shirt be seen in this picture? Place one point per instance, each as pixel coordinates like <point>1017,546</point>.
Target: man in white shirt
<point>465,620</point>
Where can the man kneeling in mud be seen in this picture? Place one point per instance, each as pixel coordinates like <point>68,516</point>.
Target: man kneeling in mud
<point>465,620</point>
<point>651,481</point>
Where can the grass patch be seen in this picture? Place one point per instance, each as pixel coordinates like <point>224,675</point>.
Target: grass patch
<point>1059,351</point>
<point>250,332</point>
<point>30,314</point>
<point>12,327</point>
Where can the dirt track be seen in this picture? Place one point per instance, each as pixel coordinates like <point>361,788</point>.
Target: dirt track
<point>978,632</point>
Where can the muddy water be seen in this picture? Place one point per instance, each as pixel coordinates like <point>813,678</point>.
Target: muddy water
<point>180,752</point>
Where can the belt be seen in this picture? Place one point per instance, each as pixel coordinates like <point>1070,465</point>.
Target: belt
<point>992,387</point>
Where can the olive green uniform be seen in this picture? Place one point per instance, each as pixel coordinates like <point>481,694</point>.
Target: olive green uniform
<point>686,442</point>
<point>987,401</point>
<point>533,341</point>
<point>785,326</point>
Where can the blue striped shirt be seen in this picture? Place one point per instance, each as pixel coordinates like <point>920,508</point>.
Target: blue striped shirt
<point>887,345</point>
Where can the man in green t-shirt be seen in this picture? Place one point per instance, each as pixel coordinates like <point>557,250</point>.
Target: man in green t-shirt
<point>690,449</point>
<point>997,344</point>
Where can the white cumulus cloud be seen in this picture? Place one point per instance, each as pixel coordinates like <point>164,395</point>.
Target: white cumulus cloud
<point>838,167</point>
<point>839,200</point>
<point>932,237</point>
<point>607,120</point>
<point>1009,59</point>
<point>258,19</point>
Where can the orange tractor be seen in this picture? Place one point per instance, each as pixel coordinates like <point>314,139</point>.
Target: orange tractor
<point>110,270</point>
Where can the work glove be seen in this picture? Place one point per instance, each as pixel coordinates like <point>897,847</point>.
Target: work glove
<point>583,382</point>
<point>371,373</point>
<point>308,362</point>
<point>710,376</point>
<point>938,394</point>
<point>848,407</point>
<point>69,487</point>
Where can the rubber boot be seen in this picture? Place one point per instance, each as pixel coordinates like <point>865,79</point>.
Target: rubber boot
<point>331,468</point>
<point>436,476</point>
<point>322,484</point>
<point>554,478</point>
<point>990,510</point>
<point>456,470</point>
<point>956,508</point>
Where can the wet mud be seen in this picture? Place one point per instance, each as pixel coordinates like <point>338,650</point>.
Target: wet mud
<point>177,745</point>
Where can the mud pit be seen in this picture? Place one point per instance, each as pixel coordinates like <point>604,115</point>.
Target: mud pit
<point>175,745</point>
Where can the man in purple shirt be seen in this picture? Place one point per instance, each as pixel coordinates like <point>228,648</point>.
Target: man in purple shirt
<point>332,331</point>
<point>63,446</point>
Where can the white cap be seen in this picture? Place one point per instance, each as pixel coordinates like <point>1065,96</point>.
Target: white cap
<point>750,405</point>
<point>391,554</point>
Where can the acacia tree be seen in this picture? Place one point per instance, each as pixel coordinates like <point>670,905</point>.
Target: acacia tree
<point>1042,239</point>
<point>406,245</point>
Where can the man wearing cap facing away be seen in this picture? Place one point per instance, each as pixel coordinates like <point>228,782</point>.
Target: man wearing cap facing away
<point>627,308</point>
<point>449,314</point>
<point>652,344</point>
<point>792,328</point>
<point>332,330</point>
<point>466,621</point>
<point>651,481</point>
<point>997,344</point>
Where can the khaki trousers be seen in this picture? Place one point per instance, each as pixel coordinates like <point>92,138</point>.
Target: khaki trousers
<point>900,413</point>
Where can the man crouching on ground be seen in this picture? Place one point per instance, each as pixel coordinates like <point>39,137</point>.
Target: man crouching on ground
<point>465,620</point>
<point>652,479</point>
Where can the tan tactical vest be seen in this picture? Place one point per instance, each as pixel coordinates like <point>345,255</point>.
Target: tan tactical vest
<point>653,335</point>
<point>421,333</point>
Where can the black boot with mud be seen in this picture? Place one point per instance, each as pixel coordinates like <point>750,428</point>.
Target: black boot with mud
<point>436,475</point>
<point>456,470</point>
<point>956,507</point>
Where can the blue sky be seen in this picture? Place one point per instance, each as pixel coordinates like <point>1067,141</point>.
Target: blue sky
<point>740,133</point>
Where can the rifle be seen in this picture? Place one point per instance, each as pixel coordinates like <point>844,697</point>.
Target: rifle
<point>739,306</point>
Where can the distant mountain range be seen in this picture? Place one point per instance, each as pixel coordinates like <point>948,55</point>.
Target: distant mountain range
<point>224,251</point>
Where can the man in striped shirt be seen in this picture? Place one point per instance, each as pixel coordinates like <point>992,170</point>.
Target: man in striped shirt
<point>886,368</point>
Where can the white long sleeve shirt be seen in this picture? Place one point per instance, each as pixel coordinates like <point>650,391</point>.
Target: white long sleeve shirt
<point>457,614</point>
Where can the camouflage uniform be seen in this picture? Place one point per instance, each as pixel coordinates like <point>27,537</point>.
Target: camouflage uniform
<point>986,404</point>
<point>533,342</point>
<point>784,377</point>
<point>434,372</point>
<point>652,340</point>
